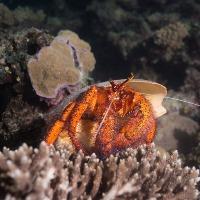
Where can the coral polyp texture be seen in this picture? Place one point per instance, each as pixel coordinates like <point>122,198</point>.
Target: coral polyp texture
<point>172,35</point>
<point>62,65</point>
<point>6,16</point>
<point>49,173</point>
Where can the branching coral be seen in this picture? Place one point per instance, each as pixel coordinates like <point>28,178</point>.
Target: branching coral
<point>20,15</point>
<point>54,16</point>
<point>26,14</point>
<point>171,36</point>
<point>162,32</point>
<point>142,173</point>
<point>129,24</point>
<point>61,65</point>
<point>120,24</point>
<point>6,16</point>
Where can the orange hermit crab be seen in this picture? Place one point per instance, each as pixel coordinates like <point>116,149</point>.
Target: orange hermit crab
<point>106,119</point>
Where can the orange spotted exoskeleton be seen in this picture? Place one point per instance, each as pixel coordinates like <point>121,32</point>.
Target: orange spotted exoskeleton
<point>107,119</point>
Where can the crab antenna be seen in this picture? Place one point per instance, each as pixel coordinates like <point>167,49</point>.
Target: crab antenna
<point>184,101</point>
<point>104,117</point>
<point>180,100</point>
<point>127,80</point>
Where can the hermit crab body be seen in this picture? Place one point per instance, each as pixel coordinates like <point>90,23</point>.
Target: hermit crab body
<point>107,119</point>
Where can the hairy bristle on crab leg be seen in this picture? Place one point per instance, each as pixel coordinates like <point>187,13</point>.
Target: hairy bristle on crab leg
<point>59,125</point>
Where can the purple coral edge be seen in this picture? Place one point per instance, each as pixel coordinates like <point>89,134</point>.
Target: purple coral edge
<point>65,85</point>
<point>58,89</point>
<point>72,49</point>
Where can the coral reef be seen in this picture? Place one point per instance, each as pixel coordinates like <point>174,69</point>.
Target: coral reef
<point>50,17</point>
<point>18,120</point>
<point>21,107</point>
<point>6,16</point>
<point>171,38</point>
<point>192,92</point>
<point>129,30</point>
<point>119,24</point>
<point>191,84</point>
<point>172,128</point>
<point>188,92</point>
<point>176,130</point>
<point>163,34</point>
<point>157,40</point>
<point>193,157</point>
<point>27,15</point>
<point>58,174</point>
<point>15,49</point>
<point>20,16</point>
<point>64,64</point>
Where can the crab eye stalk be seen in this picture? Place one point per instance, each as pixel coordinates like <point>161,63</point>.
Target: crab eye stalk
<point>116,87</point>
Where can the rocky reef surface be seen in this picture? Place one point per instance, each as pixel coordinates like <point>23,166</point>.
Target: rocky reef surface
<point>36,71</point>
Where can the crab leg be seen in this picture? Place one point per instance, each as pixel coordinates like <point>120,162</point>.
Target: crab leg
<point>59,125</point>
<point>141,120</point>
<point>87,102</point>
<point>105,136</point>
